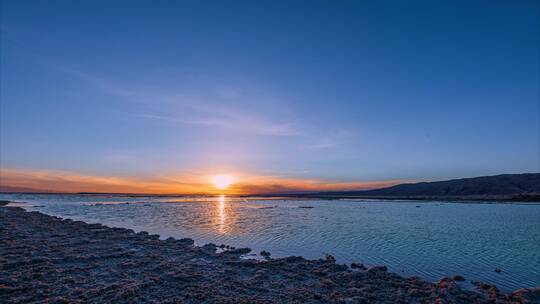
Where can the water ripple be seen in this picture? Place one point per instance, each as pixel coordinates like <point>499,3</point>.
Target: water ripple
<point>430,241</point>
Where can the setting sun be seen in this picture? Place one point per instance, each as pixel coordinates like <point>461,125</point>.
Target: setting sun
<point>222,181</point>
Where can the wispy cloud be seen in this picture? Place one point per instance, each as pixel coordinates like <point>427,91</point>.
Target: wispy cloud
<point>62,181</point>
<point>102,84</point>
<point>322,144</point>
<point>275,184</point>
<point>194,110</point>
<point>213,106</point>
<point>239,124</point>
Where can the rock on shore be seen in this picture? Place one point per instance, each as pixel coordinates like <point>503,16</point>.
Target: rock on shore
<point>48,259</point>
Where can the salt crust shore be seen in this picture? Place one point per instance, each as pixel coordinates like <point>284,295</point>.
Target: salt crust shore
<point>46,259</point>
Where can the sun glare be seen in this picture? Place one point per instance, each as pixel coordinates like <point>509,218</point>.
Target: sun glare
<point>222,181</point>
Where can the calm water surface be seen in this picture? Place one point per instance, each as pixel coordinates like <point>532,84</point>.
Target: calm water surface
<point>428,239</point>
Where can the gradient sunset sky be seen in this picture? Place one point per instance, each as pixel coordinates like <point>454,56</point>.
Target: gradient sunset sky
<point>159,96</point>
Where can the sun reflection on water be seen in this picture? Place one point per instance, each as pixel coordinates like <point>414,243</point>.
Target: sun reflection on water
<point>221,213</point>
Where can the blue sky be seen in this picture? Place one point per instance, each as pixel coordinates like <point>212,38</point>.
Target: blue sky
<point>340,91</point>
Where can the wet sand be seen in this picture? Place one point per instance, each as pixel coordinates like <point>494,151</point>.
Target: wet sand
<point>49,259</point>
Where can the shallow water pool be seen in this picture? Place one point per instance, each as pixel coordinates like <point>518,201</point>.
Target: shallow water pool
<point>427,239</point>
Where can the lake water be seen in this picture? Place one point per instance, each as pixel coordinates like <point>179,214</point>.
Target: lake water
<point>425,239</point>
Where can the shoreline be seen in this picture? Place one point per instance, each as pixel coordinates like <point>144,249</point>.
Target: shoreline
<point>474,199</point>
<point>50,258</point>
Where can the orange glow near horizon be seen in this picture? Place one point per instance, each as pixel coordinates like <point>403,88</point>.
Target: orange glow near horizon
<point>20,180</point>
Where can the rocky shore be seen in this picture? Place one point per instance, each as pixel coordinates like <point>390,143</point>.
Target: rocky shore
<point>46,259</point>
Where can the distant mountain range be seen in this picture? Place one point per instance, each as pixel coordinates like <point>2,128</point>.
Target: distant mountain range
<point>505,186</point>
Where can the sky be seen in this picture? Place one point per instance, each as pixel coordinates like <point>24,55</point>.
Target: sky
<point>160,96</point>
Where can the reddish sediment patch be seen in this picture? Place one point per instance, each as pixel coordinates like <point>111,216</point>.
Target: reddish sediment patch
<point>49,259</point>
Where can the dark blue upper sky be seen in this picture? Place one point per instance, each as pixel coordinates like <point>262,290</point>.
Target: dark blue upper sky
<point>330,90</point>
